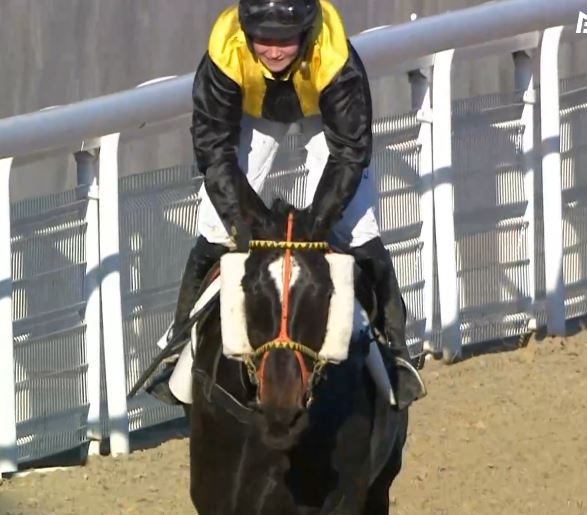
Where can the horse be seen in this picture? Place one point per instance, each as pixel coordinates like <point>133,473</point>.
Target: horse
<point>283,431</point>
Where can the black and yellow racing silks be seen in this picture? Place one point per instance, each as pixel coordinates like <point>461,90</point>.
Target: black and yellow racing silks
<point>231,81</point>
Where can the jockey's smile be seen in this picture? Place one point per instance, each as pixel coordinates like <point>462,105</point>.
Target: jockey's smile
<point>276,55</point>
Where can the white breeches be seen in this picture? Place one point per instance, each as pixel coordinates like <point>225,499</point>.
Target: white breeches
<point>259,142</point>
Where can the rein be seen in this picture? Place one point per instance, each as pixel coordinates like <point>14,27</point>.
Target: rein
<point>283,341</point>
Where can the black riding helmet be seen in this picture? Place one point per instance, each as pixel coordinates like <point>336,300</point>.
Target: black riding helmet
<point>277,19</point>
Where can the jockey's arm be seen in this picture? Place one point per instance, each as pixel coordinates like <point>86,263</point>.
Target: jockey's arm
<point>346,109</point>
<point>215,132</point>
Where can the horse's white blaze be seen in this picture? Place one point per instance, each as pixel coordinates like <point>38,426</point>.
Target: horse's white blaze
<point>276,272</point>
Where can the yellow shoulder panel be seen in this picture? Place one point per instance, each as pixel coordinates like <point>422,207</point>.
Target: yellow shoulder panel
<point>331,49</point>
<point>226,43</point>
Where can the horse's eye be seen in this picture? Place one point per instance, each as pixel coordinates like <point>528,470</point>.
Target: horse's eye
<point>251,288</point>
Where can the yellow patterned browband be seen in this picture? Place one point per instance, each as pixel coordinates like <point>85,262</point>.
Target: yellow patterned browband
<point>289,345</point>
<point>288,245</point>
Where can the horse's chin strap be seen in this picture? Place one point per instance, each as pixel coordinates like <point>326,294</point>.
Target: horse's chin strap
<point>283,341</point>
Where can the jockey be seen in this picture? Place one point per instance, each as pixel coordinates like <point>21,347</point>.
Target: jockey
<point>269,64</point>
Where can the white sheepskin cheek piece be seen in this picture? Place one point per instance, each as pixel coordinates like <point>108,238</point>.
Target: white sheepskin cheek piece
<point>339,327</point>
<point>233,323</point>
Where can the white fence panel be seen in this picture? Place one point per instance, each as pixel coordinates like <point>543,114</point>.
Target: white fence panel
<point>574,193</point>
<point>8,448</point>
<point>158,213</point>
<point>48,269</point>
<point>491,230</point>
<point>396,164</point>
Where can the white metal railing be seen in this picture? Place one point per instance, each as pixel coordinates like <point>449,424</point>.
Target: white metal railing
<point>7,399</point>
<point>384,50</point>
<point>101,123</point>
<point>551,180</point>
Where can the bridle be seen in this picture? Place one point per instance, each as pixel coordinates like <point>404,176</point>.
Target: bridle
<point>256,360</point>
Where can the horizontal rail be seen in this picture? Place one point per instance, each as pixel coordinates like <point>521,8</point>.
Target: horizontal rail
<point>383,51</point>
<point>487,22</point>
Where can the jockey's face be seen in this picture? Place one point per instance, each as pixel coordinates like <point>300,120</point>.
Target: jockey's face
<point>276,55</point>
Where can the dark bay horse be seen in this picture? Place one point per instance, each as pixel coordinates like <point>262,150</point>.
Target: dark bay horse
<point>279,439</point>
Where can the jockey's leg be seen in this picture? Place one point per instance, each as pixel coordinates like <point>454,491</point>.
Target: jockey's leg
<point>201,259</point>
<point>259,142</point>
<point>358,230</point>
<point>375,261</point>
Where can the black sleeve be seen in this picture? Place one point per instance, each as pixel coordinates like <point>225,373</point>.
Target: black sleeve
<point>215,131</point>
<point>346,109</point>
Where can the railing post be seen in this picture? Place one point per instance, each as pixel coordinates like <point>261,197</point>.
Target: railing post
<point>524,85</point>
<point>87,179</point>
<point>444,206</point>
<point>552,181</point>
<point>421,101</point>
<point>8,449</point>
<point>111,297</point>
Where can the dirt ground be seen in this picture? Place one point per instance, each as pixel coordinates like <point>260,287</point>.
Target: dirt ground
<point>499,433</point>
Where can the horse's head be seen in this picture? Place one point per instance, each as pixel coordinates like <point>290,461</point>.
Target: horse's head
<point>284,375</point>
<point>286,332</point>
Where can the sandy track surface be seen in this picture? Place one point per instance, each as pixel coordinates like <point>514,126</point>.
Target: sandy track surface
<point>500,433</point>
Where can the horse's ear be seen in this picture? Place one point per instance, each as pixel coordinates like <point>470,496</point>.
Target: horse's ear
<point>303,225</point>
<point>275,226</point>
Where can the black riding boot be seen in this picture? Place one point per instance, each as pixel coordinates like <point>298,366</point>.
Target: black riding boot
<point>375,261</point>
<point>201,259</point>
